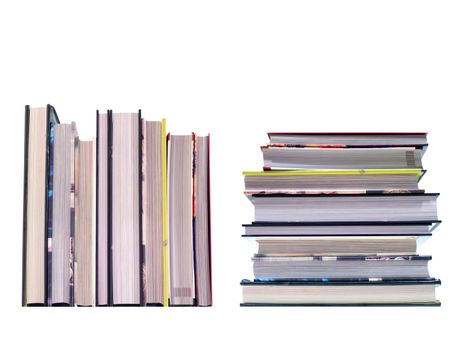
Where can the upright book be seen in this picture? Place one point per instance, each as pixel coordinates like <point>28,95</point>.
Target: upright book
<point>189,220</point>
<point>202,224</point>
<point>153,215</point>
<point>38,125</point>
<point>118,209</point>
<point>61,210</point>
<point>125,209</point>
<point>85,222</point>
<point>103,201</point>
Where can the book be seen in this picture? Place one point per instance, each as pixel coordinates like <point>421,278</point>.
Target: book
<point>38,124</point>
<point>189,220</point>
<point>181,219</point>
<point>61,208</point>
<point>338,245</point>
<point>322,180</point>
<point>280,267</point>
<point>349,228</point>
<point>202,240</point>
<point>85,222</point>
<point>103,206</point>
<point>338,293</point>
<point>125,187</point>
<point>345,207</point>
<point>350,139</point>
<point>152,212</point>
<point>341,158</point>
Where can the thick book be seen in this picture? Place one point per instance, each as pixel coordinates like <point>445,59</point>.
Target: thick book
<point>189,221</point>
<point>279,267</point>
<point>61,212</point>
<point>153,168</point>
<point>36,225</point>
<point>181,219</point>
<point>338,245</point>
<point>85,223</point>
<point>275,157</point>
<point>332,180</point>
<point>103,206</point>
<point>340,293</point>
<point>202,223</point>
<point>125,231</point>
<point>369,207</point>
<point>350,139</point>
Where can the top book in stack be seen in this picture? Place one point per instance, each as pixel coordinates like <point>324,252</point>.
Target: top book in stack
<point>344,150</point>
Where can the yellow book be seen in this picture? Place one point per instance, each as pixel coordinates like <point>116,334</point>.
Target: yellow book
<point>337,172</point>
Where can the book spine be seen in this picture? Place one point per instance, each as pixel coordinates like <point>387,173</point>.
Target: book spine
<point>51,120</point>
<point>140,206</point>
<point>93,227</point>
<point>165,231</point>
<point>97,210</point>
<point>25,201</point>
<point>102,209</point>
<point>75,142</point>
<point>194,206</point>
<point>209,213</point>
<point>76,229</point>
<point>109,209</point>
<point>49,220</point>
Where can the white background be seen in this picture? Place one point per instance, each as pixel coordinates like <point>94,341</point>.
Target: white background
<point>239,69</point>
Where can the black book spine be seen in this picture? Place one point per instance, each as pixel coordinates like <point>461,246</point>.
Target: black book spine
<point>140,204</point>
<point>97,210</point>
<point>50,121</point>
<point>194,218</point>
<point>109,208</point>
<point>25,201</point>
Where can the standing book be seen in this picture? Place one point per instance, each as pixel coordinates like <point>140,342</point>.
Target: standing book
<point>153,218</point>
<point>103,217</point>
<point>85,223</point>
<point>189,220</point>
<point>125,186</point>
<point>61,211</point>
<point>38,125</point>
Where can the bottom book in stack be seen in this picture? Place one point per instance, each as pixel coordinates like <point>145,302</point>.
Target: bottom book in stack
<point>302,267</point>
<point>340,293</point>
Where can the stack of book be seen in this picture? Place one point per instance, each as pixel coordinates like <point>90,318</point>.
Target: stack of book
<point>338,218</point>
<point>121,220</point>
